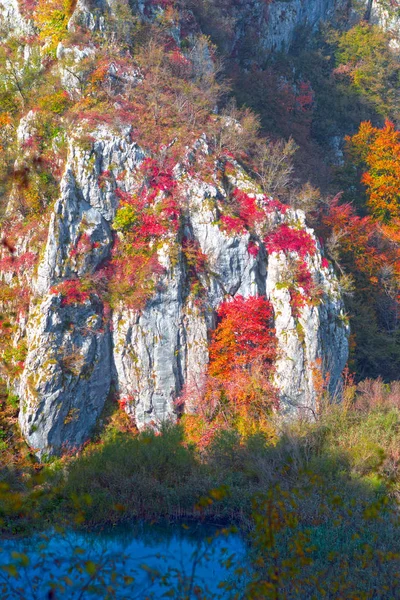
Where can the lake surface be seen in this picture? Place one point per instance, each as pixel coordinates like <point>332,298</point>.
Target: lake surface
<point>135,561</point>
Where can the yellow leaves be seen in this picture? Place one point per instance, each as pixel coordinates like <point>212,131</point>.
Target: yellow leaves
<point>11,570</point>
<point>219,493</point>
<point>379,150</point>
<point>56,102</point>
<point>90,567</point>
<point>51,17</point>
<point>21,558</point>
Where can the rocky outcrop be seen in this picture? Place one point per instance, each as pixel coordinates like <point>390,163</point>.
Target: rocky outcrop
<point>386,14</point>
<point>12,19</point>
<point>76,350</point>
<point>69,369</point>
<point>315,343</point>
<point>67,374</point>
<point>277,22</point>
<point>81,346</point>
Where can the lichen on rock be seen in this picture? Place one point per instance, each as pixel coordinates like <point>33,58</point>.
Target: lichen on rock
<point>140,254</point>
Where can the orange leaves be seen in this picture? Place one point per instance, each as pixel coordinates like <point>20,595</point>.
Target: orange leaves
<point>51,17</point>
<point>379,151</point>
<point>5,119</point>
<point>6,127</point>
<point>243,335</point>
<point>242,352</point>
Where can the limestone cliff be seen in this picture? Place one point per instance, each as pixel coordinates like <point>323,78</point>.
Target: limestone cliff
<point>82,343</point>
<point>76,351</point>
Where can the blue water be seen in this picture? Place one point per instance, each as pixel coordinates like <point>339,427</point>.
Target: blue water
<point>138,561</point>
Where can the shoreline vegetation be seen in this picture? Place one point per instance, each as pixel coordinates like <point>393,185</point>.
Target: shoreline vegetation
<point>312,500</point>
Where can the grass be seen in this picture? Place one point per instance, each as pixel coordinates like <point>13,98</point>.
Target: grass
<point>319,504</point>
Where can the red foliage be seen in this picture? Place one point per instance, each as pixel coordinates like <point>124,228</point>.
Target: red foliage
<point>246,213</point>
<point>243,335</point>
<point>182,65</point>
<point>232,224</point>
<point>287,239</point>
<point>72,291</point>
<point>305,96</point>
<point>11,264</point>
<point>247,208</point>
<point>163,3</point>
<point>274,205</point>
<point>302,290</point>
<point>366,245</point>
<point>93,118</point>
<point>104,177</point>
<point>304,278</point>
<point>154,213</point>
<point>253,249</point>
<point>151,227</point>
<point>83,246</point>
<point>126,401</point>
<point>242,353</point>
<point>325,263</point>
<point>159,178</point>
<point>27,7</point>
<point>31,143</point>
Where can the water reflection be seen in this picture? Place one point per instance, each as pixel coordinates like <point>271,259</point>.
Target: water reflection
<point>132,561</point>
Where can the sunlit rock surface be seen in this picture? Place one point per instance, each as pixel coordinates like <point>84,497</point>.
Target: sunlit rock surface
<point>80,352</point>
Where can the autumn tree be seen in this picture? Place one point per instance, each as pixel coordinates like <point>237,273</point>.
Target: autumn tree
<point>242,352</point>
<point>364,57</point>
<point>51,18</point>
<point>367,254</point>
<point>379,151</point>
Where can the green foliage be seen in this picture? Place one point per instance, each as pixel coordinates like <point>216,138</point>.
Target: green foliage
<point>19,71</point>
<point>156,476</point>
<point>364,56</point>
<point>125,218</point>
<point>3,442</point>
<point>318,505</point>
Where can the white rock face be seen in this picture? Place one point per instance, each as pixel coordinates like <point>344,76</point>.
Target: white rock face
<point>89,15</point>
<point>77,351</point>
<point>67,374</point>
<point>316,344</point>
<point>281,18</point>
<point>12,19</point>
<point>164,348</point>
<point>70,65</point>
<point>69,368</point>
<point>87,206</point>
<point>387,15</point>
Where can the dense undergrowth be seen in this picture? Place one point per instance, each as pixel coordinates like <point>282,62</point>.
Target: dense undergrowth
<point>318,502</point>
